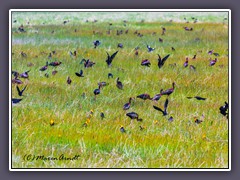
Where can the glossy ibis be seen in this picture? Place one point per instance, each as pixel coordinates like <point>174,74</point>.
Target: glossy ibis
<point>194,57</point>
<point>103,83</point>
<point>197,121</point>
<point>197,97</point>
<point>24,55</point>
<point>157,96</point>
<point>192,67</point>
<point>110,58</point>
<point>169,91</point>
<point>165,108</point>
<point>144,96</point>
<point>15,101</point>
<point>127,105</point>
<point>55,63</point>
<point>170,119</point>
<point>102,115</point>
<point>44,67</point>
<point>163,30</point>
<point>186,62</point>
<point>213,62</point>
<point>80,74</point>
<point>133,115</point>
<point>15,74</point>
<point>20,92</point>
<point>216,54</point>
<point>120,45</point>
<point>146,62</point>
<point>69,81</point>
<point>210,52</point>
<point>16,81</point>
<point>97,91</point>
<point>25,74</point>
<point>119,84</point>
<point>162,61</point>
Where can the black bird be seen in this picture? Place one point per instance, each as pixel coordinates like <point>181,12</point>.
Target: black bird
<point>44,67</point>
<point>15,101</point>
<point>150,49</point>
<point>144,96</point>
<point>119,84</point>
<point>20,92</point>
<point>97,91</point>
<point>122,130</point>
<point>165,108</point>
<point>146,62</point>
<point>102,115</point>
<point>157,96</point>
<point>69,81</point>
<point>197,97</point>
<point>162,61</point>
<point>197,121</point>
<point>133,115</point>
<point>192,67</point>
<point>216,54</point>
<point>110,75</point>
<point>110,58</point>
<point>96,43</point>
<point>170,119</point>
<point>25,74</point>
<point>15,74</point>
<point>23,54</point>
<point>80,74</point>
<point>223,109</point>
<point>103,83</point>
<point>87,63</point>
<point>120,45</point>
<point>173,49</point>
<point>16,81</point>
<point>127,105</point>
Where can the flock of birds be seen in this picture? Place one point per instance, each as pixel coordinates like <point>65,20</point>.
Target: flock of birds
<point>109,60</point>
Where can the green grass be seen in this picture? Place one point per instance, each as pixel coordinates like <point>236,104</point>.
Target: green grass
<point>180,144</point>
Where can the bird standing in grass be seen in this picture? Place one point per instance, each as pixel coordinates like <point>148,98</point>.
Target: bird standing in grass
<point>55,63</point>
<point>186,62</point>
<point>127,105</point>
<point>96,43</point>
<point>25,74</point>
<point>192,67</point>
<point>97,91</point>
<point>119,84</point>
<point>150,49</point>
<point>197,121</point>
<point>122,130</point>
<point>110,75</point>
<point>144,96</point>
<point>44,67</point>
<point>102,115</point>
<point>213,62</point>
<point>69,81</point>
<point>133,115</point>
<point>157,96</point>
<point>223,109</point>
<point>15,101</point>
<point>146,62</point>
<point>169,91</point>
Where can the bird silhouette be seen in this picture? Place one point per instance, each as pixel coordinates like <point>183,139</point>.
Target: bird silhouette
<point>25,74</point>
<point>20,92</point>
<point>127,105</point>
<point>80,74</point>
<point>144,96</point>
<point>164,112</point>
<point>162,61</point>
<point>69,81</point>
<point>122,130</point>
<point>133,115</point>
<point>150,49</point>
<point>169,91</point>
<point>110,75</point>
<point>96,43</point>
<point>197,97</point>
<point>223,109</point>
<point>15,101</point>
<point>119,84</point>
<point>110,58</point>
<point>146,62</point>
<point>186,62</point>
<point>44,67</point>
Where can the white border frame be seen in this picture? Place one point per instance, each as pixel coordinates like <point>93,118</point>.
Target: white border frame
<point>118,10</point>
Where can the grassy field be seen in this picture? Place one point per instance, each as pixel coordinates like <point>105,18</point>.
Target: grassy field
<point>161,144</point>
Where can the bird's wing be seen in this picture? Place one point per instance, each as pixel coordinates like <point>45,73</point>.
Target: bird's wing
<point>113,55</point>
<point>157,108</point>
<point>189,97</point>
<point>77,74</point>
<point>165,58</point>
<point>19,92</point>
<point>24,88</point>
<point>166,105</point>
<point>81,72</point>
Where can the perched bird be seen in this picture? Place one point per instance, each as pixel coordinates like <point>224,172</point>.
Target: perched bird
<point>80,74</point>
<point>44,67</point>
<point>15,101</point>
<point>119,84</point>
<point>146,62</point>
<point>162,61</point>
<point>194,57</point>
<point>55,63</point>
<point>127,105</point>
<point>165,108</point>
<point>20,92</point>
<point>223,109</point>
<point>186,62</point>
<point>69,81</point>
<point>110,75</point>
<point>192,67</point>
<point>144,96</point>
<point>150,49</point>
<point>25,74</point>
<point>96,43</point>
<point>210,52</point>
<point>212,62</point>
<point>110,58</point>
<point>122,130</point>
<point>102,115</point>
<point>197,97</point>
<point>169,91</point>
<point>215,54</point>
<point>133,115</point>
<point>87,63</point>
